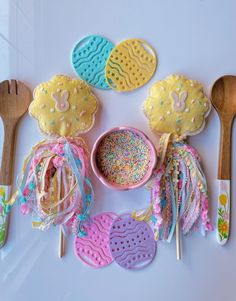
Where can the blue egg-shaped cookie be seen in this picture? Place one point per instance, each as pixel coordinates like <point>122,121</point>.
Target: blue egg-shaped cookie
<point>89,58</point>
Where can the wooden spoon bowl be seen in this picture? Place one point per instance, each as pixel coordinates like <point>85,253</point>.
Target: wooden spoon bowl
<point>224,95</point>
<point>223,98</point>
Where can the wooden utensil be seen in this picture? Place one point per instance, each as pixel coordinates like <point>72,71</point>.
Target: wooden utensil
<point>223,98</point>
<point>15,98</point>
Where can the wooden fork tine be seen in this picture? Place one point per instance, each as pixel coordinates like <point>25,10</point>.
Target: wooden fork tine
<point>13,86</point>
<point>21,88</point>
<point>4,87</point>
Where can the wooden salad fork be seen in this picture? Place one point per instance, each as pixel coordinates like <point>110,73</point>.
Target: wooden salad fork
<point>15,98</point>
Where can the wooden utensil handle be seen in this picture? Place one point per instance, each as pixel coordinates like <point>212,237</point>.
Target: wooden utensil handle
<point>224,166</point>
<point>6,171</point>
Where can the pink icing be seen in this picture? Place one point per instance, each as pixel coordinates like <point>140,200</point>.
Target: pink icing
<point>93,249</point>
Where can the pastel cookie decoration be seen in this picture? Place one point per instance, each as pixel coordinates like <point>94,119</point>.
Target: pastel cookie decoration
<point>130,65</point>
<point>177,105</point>
<point>89,58</point>
<point>64,106</point>
<point>132,243</point>
<point>123,158</point>
<point>93,249</point>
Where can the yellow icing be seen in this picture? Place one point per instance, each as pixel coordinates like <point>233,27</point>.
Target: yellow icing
<point>130,65</point>
<point>177,105</point>
<point>64,106</point>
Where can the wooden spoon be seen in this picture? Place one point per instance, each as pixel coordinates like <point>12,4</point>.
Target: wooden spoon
<point>15,98</point>
<point>223,98</point>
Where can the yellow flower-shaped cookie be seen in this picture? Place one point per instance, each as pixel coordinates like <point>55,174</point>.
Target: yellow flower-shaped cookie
<point>177,105</point>
<point>64,106</point>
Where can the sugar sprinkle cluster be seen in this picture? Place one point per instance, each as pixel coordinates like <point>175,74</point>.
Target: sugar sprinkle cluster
<point>123,157</point>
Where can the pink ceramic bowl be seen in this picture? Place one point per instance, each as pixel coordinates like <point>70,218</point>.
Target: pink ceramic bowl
<point>123,158</point>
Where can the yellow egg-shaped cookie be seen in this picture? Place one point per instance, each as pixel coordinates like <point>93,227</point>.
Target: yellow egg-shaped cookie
<point>131,64</point>
<point>177,105</point>
<point>64,106</point>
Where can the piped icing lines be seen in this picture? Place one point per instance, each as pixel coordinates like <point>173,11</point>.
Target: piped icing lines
<point>177,105</point>
<point>89,58</point>
<point>93,249</point>
<point>130,65</point>
<point>64,106</point>
<point>132,242</point>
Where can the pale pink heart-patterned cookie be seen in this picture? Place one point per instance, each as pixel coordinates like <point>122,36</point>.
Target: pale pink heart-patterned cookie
<point>93,249</point>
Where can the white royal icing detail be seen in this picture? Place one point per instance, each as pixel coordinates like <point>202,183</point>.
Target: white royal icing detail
<point>82,113</point>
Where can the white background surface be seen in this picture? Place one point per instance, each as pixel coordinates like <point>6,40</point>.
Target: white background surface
<point>195,38</point>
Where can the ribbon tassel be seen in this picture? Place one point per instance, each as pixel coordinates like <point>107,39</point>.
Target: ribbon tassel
<point>178,193</point>
<point>55,187</point>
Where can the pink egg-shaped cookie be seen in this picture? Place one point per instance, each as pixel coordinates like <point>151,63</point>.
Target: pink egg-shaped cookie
<point>93,249</point>
<point>132,242</point>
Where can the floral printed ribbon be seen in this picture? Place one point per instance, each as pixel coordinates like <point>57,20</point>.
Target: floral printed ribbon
<point>223,211</point>
<point>4,210</point>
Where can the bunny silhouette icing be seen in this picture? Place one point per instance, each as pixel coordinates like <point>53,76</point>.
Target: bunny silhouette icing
<point>64,106</point>
<point>177,105</point>
<point>61,100</point>
<point>178,100</point>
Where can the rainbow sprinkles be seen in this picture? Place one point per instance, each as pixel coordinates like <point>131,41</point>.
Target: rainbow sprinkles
<point>123,158</point>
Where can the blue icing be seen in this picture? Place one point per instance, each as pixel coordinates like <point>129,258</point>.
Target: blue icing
<point>89,58</point>
<point>153,219</point>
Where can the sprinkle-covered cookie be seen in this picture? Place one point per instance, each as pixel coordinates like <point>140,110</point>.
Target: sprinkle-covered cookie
<point>89,58</point>
<point>177,105</point>
<point>130,65</point>
<point>64,106</point>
